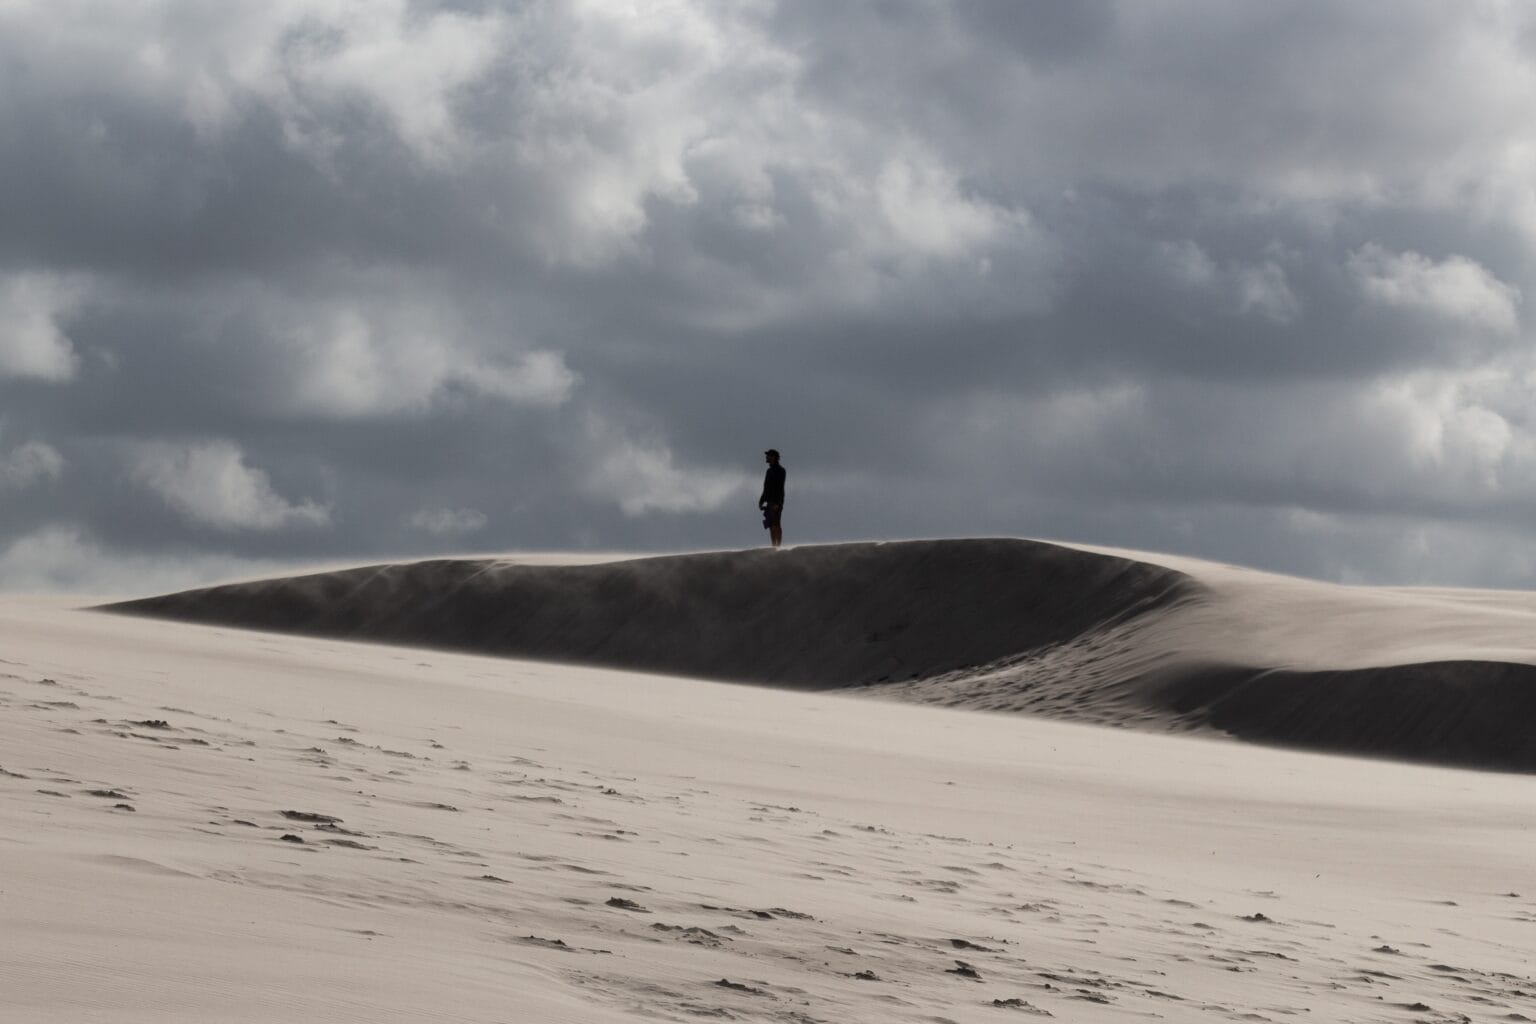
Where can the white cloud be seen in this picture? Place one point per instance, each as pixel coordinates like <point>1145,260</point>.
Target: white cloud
<point>32,344</point>
<point>622,118</point>
<point>408,63</point>
<point>1264,289</point>
<point>1257,288</point>
<point>926,214</point>
<point>357,359</point>
<point>532,378</point>
<point>28,464</point>
<point>63,559</point>
<point>568,125</point>
<point>303,59</point>
<point>1425,445</point>
<point>449,522</point>
<point>210,484</point>
<point>1455,289</point>
<point>611,100</point>
<point>641,475</point>
<point>890,201</point>
<point>1460,448</point>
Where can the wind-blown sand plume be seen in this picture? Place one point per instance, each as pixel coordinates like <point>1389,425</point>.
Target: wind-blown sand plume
<point>997,624</point>
<point>202,824</point>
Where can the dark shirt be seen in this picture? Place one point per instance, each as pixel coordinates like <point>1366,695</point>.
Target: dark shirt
<point>773,487</point>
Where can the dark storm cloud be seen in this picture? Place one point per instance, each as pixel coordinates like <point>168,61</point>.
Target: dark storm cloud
<point>320,279</point>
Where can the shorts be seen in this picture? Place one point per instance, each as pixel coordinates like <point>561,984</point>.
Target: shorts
<point>771,514</point>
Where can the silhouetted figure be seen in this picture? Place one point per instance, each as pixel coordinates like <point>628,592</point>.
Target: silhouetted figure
<point>771,502</point>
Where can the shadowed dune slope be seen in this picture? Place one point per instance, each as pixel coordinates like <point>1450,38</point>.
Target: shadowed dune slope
<point>1476,714</point>
<point>1004,625</point>
<point>813,617</point>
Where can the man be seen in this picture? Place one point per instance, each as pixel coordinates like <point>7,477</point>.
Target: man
<point>771,502</point>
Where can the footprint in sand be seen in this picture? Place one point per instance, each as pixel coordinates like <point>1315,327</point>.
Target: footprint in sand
<point>311,817</point>
<point>693,935</point>
<point>620,903</point>
<point>1016,1003</point>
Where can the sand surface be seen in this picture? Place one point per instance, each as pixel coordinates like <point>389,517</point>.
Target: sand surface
<point>1000,624</point>
<point>520,841</point>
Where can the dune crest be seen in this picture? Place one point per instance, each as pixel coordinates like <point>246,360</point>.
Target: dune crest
<point>991,624</point>
<point>811,617</point>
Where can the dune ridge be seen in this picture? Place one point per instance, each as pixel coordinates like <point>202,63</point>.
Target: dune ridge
<point>815,617</point>
<point>991,624</point>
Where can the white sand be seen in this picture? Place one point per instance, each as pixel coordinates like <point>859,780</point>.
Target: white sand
<point>1266,618</point>
<point>999,624</point>
<point>1107,873</point>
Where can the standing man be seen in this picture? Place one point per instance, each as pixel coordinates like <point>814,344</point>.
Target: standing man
<point>772,500</point>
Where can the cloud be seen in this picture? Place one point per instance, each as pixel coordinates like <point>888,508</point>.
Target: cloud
<point>926,213</point>
<point>410,64</point>
<point>1260,288</point>
<point>65,559</point>
<point>1455,289</point>
<point>1447,447</point>
<point>30,463</point>
<point>393,356</point>
<point>211,486</point>
<point>641,475</point>
<point>32,344</point>
<point>304,59</point>
<point>533,378</point>
<point>448,522</point>
<point>1174,275</point>
<point>1263,289</point>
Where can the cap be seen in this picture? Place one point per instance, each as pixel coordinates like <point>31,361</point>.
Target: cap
<point>772,451</point>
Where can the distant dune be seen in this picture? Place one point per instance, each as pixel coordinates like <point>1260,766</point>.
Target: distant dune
<point>1117,638</point>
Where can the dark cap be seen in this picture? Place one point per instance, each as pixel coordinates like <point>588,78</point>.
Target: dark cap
<point>772,451</point>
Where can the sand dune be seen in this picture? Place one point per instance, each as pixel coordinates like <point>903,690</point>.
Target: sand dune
<point>1109,637</point>
<point>206,824</point>
<point>822,617</point>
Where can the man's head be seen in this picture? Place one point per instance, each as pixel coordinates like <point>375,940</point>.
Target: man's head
<point>771,455</point>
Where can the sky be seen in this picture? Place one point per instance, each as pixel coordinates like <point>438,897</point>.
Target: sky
<point>291,282</point>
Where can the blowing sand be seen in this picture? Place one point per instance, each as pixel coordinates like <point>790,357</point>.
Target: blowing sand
<point>199,823</point>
